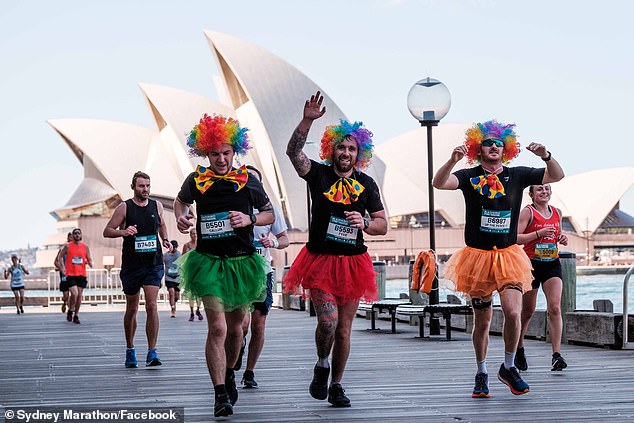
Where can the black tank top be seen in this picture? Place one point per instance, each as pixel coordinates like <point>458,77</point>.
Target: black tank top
<point>144,248</point>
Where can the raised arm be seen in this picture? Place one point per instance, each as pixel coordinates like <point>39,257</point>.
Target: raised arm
<point>312,111</point>
<point>444,179</point>
<point>554,172</point>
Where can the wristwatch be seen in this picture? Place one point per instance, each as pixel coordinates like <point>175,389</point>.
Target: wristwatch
<point>547,158</point>
<point>253,219</point>
<point>366,223</point>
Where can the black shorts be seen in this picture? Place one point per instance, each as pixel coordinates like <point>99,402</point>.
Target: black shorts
<point>174,285</point>
<point>63,283</point>
<point>133,279</point>
<point>17,288</point>
<point>265,306</point>
<point>544,270</point>
<point>79,281</point>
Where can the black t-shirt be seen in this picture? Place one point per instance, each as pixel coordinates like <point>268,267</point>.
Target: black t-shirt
<point>326,214</point>
<point>493,222</point>
<point>144,248</point>
<point>215,235</point>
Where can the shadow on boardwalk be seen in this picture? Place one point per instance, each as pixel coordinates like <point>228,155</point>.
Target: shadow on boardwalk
<point>45,361</point>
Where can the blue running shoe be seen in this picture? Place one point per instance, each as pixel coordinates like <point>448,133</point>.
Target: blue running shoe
<point>130,358</point>
<point>511,378</point>
<point>152,359</point>
<point>481,388</point>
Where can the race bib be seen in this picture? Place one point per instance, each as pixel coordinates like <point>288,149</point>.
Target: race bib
<point>145,244</point>
<point>495,221</point>
<point>77,260</point>
<point>259,248</point>
<point>545,252</point>
<point>339,230</point>
<point>172,271</point>
<point>215,225</point>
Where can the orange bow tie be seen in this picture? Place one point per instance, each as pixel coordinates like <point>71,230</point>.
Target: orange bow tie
<point>205,178</point>
<point>345,191</point>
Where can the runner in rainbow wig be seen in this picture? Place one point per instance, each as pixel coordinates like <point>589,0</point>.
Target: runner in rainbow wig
<point>334,265</point>
<point>224,269</point>
<point>491,260</point>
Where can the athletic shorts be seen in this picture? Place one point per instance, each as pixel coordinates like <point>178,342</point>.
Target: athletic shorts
<point>63,283</point>
<point>79,281</point>
<point>544,270</point>
<point>17,288</point>
<point>174,285</point>
<point>265,306</point>
<point>133,279</point>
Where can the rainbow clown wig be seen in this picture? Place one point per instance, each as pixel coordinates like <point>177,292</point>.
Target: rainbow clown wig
<point>492,129</point>
<point>335,134</point>
<point>213,131</point>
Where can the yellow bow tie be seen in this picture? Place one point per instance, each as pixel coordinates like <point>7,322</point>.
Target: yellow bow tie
<point>345,191</point>
<point>205,178</point>
<point>488,186</point>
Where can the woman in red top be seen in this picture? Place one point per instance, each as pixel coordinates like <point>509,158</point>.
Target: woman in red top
<point>539,229</point>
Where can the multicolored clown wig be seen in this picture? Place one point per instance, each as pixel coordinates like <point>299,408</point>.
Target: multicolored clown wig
<point>335,134</point>
<point>213,131</point>
<point>487,130</point>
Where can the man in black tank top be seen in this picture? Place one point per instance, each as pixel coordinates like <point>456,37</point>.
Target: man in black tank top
<point>139,221</point>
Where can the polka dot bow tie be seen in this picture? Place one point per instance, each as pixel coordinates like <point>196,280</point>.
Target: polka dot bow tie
<point>205,178</point>
<point>489,186</point>
<point>345,191</point>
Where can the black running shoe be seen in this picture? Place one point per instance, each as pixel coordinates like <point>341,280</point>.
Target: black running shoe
<point>337,396</point>
<point>230,384</point>
<point>558,363</point>
<point>223,406</point>
<point>511,378</point>
<point>319,385</point>
<point>248,380</point>
<point>520,360</point>
<point>238,364</point>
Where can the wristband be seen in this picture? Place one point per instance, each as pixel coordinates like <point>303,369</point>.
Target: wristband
<point>537,233</point>
<point>546,159</point>
<point>276,243</point>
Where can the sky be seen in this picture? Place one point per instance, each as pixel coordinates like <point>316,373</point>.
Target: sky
<point>561,70</point>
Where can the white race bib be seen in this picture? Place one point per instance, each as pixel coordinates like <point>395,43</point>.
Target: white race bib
<point>259,248</point>
<point>77,260</point>
<point>339,230</point>
<point>496,221</point>
<point>145,244</point>
<point>215,225</point>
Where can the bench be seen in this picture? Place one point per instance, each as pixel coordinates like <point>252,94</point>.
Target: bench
<point>381,306</point>
<point>446,310</point>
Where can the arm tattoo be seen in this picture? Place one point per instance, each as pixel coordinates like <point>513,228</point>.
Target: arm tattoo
<point>300,161</point>
<point>268,207</point>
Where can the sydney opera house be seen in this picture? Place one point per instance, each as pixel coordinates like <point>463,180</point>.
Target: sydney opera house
<point>263,92</point>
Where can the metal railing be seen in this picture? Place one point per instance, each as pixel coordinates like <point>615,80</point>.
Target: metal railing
<point>625,317</point>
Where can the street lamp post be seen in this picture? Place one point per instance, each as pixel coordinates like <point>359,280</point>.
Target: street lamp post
<point>429,101</point>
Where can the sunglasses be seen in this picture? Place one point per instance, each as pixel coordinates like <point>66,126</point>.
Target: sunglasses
<point>77,233</point>
<point>491,142</point>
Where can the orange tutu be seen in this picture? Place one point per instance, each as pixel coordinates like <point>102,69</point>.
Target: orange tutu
<point>478,273</point>
<point>347,277</point>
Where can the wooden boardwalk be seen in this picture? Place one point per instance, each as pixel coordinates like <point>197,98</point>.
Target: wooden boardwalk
<point>46,362</point>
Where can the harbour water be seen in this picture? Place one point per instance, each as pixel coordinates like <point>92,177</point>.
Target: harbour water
<point>589,288</point>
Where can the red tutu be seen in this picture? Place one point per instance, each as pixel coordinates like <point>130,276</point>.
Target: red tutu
<point>347,277</point>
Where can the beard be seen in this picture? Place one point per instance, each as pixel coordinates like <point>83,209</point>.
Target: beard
<point>343,168</point>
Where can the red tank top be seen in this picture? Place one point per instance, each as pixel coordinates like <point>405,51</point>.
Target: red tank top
<point>76,259</point>
<point>543,248</point>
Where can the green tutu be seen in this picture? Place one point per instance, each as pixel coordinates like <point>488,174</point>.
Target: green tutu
<point>235,282</point>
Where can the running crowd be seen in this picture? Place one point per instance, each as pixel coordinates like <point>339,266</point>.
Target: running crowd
<point>225,267</point>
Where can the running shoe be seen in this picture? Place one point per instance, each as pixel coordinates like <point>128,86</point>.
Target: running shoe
<point>130,358</point>
<point>69,316</point>
<point>17,310</point>
<point>520,360</point>
<point>511,378</point>
<point>319,385</point>
<point>173,313</point>
<point>76,319</point>
<point>248,380</point>
<point>21,309</point>
<point>223,406</point>
<point>152,359</point>
<point>337,396</point>
<point>230,385</point>
<point>191,317</point>
<point>199,314</point>
<point>481,388</point>
<point>238,364</point>
<point>558,363</point>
